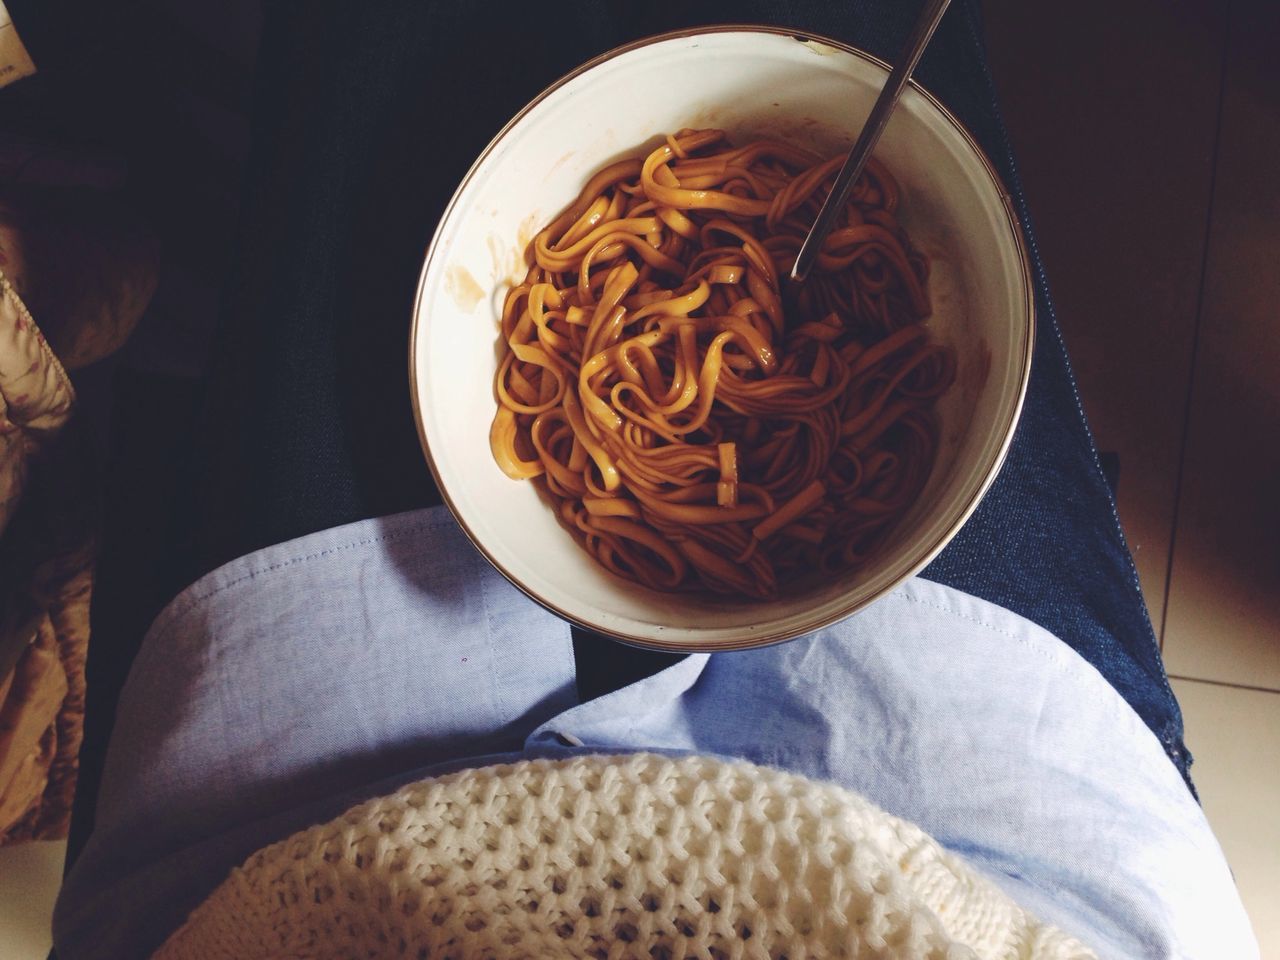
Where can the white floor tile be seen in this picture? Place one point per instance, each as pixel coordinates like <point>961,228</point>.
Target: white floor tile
<point>30,875</point>
<point>1223,619</point>
<point>1129,321</point>
<point>1234,735</point>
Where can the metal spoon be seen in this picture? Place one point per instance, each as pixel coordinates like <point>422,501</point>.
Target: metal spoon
<point>920,36</point>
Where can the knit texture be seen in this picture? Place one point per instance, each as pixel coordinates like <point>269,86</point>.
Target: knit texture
<point>628,856</point>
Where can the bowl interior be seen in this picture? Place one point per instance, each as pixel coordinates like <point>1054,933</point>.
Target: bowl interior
<point>751,83</point>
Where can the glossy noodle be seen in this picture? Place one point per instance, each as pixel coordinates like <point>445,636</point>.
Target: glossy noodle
<point>700,421</point>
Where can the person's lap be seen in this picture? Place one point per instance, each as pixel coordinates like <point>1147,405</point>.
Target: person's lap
<point>366,119</point>
<point>310,424</point>
<point>397,654</point>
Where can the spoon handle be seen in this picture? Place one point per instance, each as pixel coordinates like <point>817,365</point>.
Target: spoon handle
<point>921,33</point>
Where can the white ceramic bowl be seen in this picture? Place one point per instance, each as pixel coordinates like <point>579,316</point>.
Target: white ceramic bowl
<point>749,81</point>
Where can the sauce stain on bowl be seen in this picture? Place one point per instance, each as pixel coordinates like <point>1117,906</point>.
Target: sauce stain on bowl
<point>529,228</point>
<point>463,288</point>
<point>814,45</point>
<point>558,164</point>
<point>508,262</point>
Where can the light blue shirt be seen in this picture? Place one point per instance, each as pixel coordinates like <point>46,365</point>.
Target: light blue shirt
<point>284,687</point>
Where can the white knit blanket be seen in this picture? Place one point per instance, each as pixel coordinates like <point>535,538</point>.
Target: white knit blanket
<point>613,856</point>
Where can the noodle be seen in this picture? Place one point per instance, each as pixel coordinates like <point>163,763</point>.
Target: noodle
<point>699,424</point>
